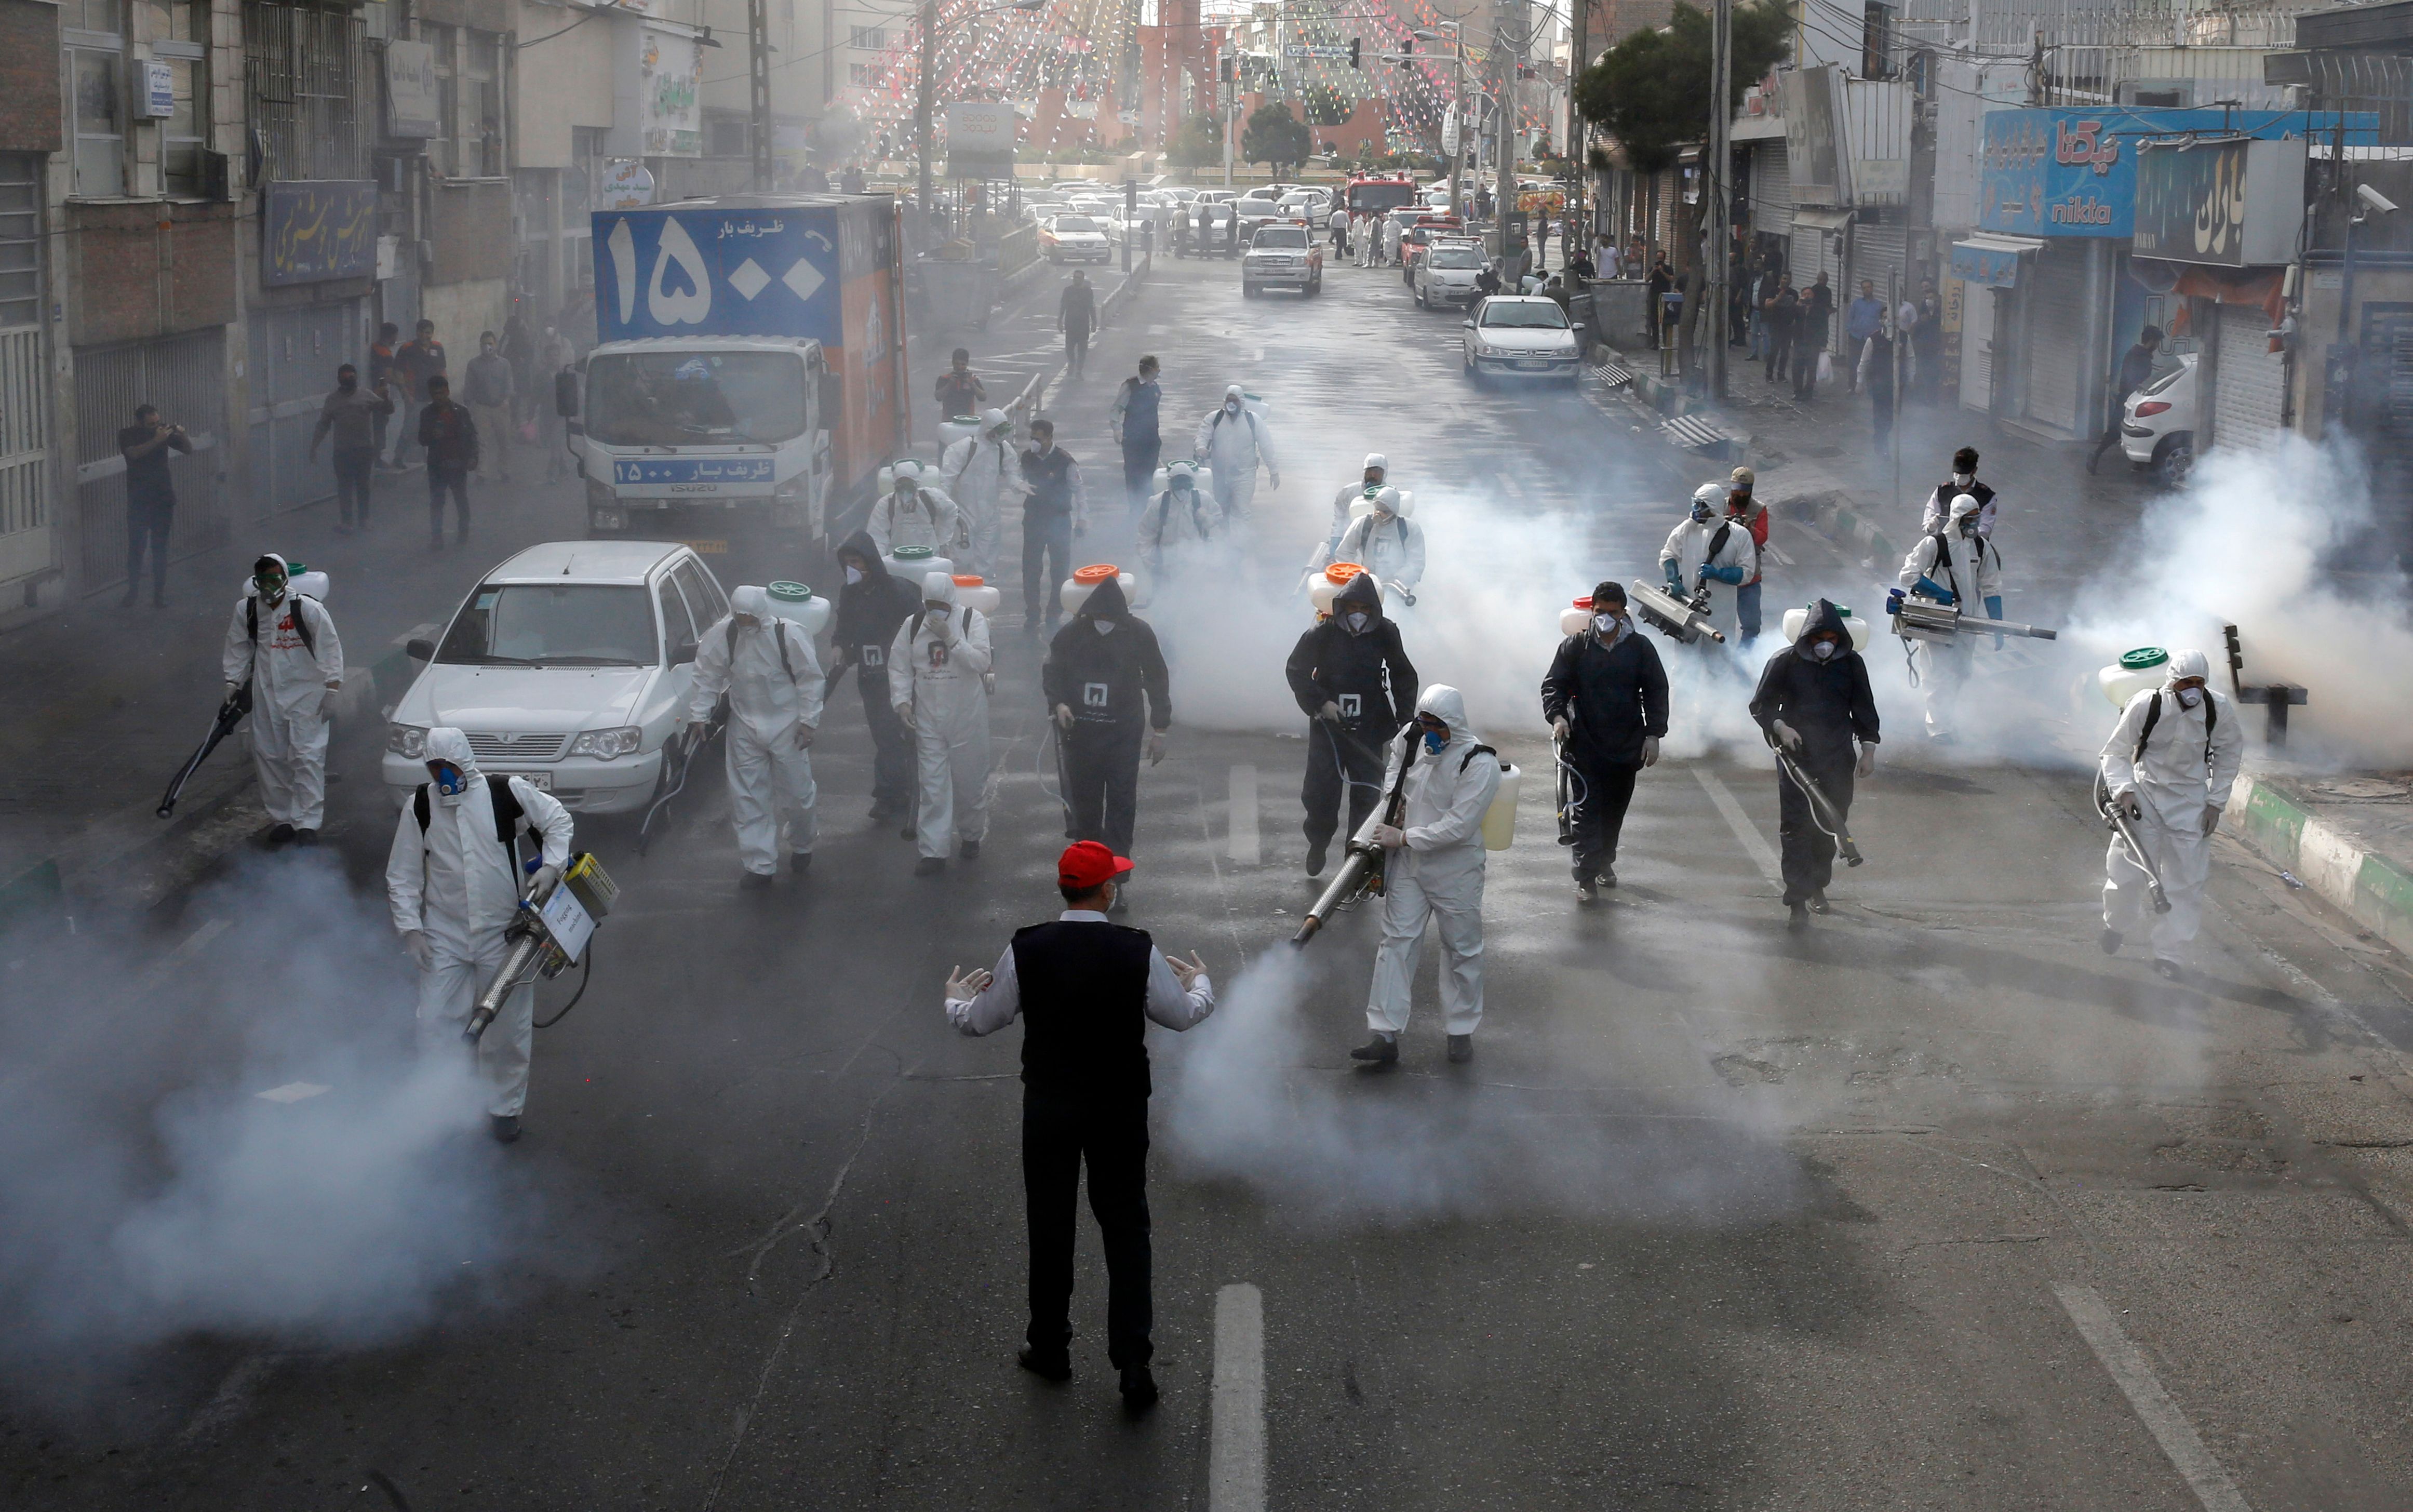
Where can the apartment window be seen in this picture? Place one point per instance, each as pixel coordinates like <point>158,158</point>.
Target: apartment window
<point>859,74</point>
<point>869,38</point>
<point>99,111</point>
<point>20,240</point>
<point>1876,41</point>
<point>313,91</point>
<point>482,101</point>
<point>178,21</point>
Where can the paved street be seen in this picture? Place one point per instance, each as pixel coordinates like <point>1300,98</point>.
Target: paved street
<point>1933,1206</point>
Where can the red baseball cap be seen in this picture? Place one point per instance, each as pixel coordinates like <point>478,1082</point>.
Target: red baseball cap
<point>1086,864</point>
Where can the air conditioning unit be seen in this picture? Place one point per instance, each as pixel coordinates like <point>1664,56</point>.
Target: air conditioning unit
<point>2156,94</point>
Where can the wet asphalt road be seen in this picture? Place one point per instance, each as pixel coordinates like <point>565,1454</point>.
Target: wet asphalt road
<point>1934,1206</point>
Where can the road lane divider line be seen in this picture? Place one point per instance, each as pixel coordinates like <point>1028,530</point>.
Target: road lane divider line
<point>1245,848</point>
<point>1236,1456</point>
<point>2134,1375</point>
<point>1754,844</point>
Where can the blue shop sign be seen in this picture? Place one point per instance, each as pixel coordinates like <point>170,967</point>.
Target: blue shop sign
<point>2073,172</point>
<point>1995,267</point>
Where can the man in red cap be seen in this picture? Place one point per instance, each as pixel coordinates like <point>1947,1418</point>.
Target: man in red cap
<point>1086,988</point>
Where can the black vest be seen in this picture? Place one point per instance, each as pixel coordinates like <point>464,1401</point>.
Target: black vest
<point>1083,989</point>
<point>1947,490</point>
<point>1051,482</point>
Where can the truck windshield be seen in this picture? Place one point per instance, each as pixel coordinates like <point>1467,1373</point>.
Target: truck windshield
<point>671,398</point>
<point>1373,198</point>
<point>552,625</point>
<point>1290,237</point>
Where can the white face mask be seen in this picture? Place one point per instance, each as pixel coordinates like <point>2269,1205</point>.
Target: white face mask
<point>2190,697</point>
<point>854,574</point>
<point>1963,480</point>
<point>1038,449</point>
<point>1822,650</point>
<point>1356,620</point>
<point>1105,626</point>
<point>937,613</point>
<point>1231,407</point>
<point>1605,624</point>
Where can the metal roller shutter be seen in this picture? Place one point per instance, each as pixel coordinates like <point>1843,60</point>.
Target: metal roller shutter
<point>2056,310</point>
<point>294,354</point>
<point>2251,382</point>
<point>186,378</point>
<point>1879,254</point>
<point>1771,189</point>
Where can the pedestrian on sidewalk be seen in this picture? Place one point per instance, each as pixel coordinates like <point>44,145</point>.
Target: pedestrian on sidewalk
<point>1860,325</point>
<point>1662,280</point>
<point>1809,344</point>
<point>282,645</point>
<point>1927,346</point>
<point>150,500</point>
<point>2136,366</point>
<point>959,390</point>
<point>451,437</point>
<point>1783,322</point>
<point>1086,989</point>
<point>487,386</point>
<point>419,363</point>
<point>1874,375</point>
<point>1771,279</point>
<point>386,379</point>
<point>565,409</point>
<point>1134,424</point>
<point>1077,316</point>
<point>1606,700</point>
<point>519,349</point>
<point>352,415</point>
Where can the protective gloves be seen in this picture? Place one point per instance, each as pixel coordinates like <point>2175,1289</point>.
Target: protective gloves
<point>1390,837</point>
<point>541,886</point>
<point>1867,764</point>
<point>1063,716</point>
<point>1155,747</point>
<point>1893,600</point>
<point>1561,731</point>
<point>1650,751</point>
<point>2129,804</point>
<point>1330,713</point>
<point>805,736</point>
<point>2211,817</point>
<point>1675,577</point>
<point>905,716</point>
<point>1786,735</point>
<point>422,953</point>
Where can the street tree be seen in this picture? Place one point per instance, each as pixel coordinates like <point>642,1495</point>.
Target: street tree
<point>1275,137</point>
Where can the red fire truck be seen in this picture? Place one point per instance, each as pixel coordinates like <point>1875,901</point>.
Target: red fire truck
<point>1375,193</point>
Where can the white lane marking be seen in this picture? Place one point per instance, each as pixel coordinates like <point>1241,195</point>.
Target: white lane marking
<point>1245,849</point>
<point>1739,822</point>
<point>292,1092</point>
<point>2135,1378</point>
<point>1773,550</point>
<point>1236,1459</point>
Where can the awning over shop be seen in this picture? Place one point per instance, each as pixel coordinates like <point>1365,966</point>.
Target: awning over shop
<point>1990,260</point>
<point>1819,218</point>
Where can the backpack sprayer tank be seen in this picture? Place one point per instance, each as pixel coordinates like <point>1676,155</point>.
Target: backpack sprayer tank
<point>548,938</point>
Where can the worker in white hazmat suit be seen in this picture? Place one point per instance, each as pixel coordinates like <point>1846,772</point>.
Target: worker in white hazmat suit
<point>1958,567</point>
<point>283,644</point>
<point>981,473</point>
<point>453,882</point>
<point>2168,765</point>
<point>915,511</point>
<point>1432,873</point>
<point>1707,549</point>
<point>1388,544</point>
<point>1177,525</point>
<point>767,665</point>
<point>935,681</point>
<point>1233,442</point>
<point>1377,468</point>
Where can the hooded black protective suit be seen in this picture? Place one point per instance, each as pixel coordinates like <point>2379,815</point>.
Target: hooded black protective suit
<point>1828,702</point>
<point>869,612</point>
<point>1366,673</point>
<point>1114,683</point>
<point>1613,695</point>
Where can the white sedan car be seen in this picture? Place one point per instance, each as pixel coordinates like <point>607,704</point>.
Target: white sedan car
<point>567,666</point>
<point>1445,274</point>
<point>1521,335</point>
<point>2157,426</point>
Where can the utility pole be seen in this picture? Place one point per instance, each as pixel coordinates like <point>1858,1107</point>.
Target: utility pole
<point>1715,196</point>
<point>1571,145</point>
<point>1230,87</point>
<point>1508,47</point>
<point>921,85</point>
<point>757,57</point>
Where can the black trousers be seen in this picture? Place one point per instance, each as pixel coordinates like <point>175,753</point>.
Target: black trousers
<point>893,779</point>
<point>1780,352</point>
<point>352,471</point>
<point>1809,860</point>
<point>1102,781</point>
<point>146,526</point>
<point>1046,540</point>
<point>441,480</point>
<point>1600,814</point>
<point>1076,352</point>
<point>1360,753</point>
<point>1058,1135</point>
<point>1139,470</point>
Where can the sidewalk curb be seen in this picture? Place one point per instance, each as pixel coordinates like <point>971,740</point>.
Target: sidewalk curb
<point>2374,891</point>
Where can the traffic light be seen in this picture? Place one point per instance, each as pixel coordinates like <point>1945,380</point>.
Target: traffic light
<point>1354,44</point>
<point>1228,62</point>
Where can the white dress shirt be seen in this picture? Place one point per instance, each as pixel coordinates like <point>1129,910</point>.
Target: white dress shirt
<point>1168,1003</point>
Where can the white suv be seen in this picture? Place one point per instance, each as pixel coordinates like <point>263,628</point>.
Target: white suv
<point>567,666</point>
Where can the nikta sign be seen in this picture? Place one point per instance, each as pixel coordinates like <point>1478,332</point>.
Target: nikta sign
<point>2069,173</point>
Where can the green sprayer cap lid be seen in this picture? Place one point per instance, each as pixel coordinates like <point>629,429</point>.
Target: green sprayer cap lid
<point>913,553</point>
<point>2143,657</point>
<point>790,592</point>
